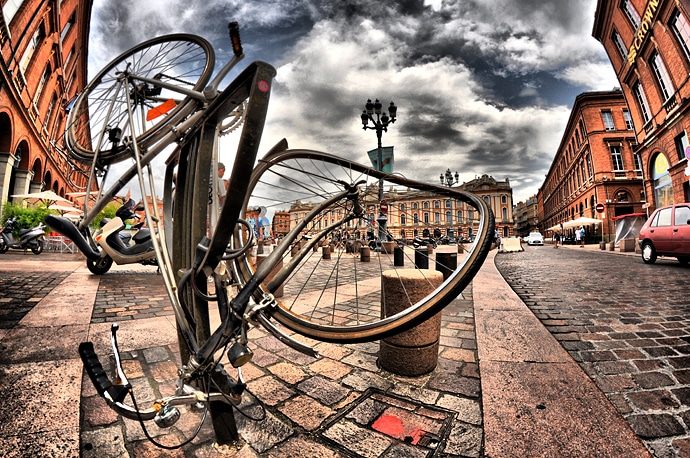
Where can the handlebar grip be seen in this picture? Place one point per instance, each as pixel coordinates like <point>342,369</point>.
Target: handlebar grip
<point>235,38</point>
<point>98,376</point>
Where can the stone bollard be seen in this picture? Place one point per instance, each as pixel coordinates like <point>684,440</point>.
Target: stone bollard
<point>612,246</point>
<point>365,254</point>
<point>326,252</point>
<point>461,248</point>
<point>430,249</point>
<point>421,258</point>
<point>398,256</point>
<point>387,247</point>
<point>446,263</point>
<point>315,248</point>
<point>261,258</point>
<point>294,249</point>
<point>415,351</point>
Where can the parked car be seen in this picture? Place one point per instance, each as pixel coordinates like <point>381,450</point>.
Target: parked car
<point>666,233</point>
<point>535,238</point>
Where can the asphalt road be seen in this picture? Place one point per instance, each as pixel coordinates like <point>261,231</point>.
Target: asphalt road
<point>625,322</point>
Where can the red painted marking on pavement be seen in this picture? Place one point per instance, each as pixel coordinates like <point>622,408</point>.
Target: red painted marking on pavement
<point>390,425</point>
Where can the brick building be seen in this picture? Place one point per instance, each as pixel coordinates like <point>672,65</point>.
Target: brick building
<point>648,43</point>
<point>526,215</point>
<point>417,213</point>
<point>281,223</point>
<point>595,164</point>
<point>44,48</point>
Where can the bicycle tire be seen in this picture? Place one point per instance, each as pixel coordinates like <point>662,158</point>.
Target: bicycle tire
<point>284,178</point>
<point>178,58</point>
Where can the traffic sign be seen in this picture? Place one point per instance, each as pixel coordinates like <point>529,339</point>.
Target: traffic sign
<point>383,206</point>
<point>600,208</point>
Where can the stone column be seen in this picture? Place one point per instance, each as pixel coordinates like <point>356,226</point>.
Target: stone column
<point>415,351</point>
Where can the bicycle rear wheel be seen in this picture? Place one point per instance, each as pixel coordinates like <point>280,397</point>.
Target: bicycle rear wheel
<point>99,123</point>
<point>334,201</point>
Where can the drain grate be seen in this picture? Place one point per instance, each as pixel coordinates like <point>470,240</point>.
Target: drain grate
<point>379,423</point>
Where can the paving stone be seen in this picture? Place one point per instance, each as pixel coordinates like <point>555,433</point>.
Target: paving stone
<point>306,412</point>
<point>271,391</point>
<point>288,372</point>
<point>302,447</point>
<point>365,442</point>
<point>464,440</point>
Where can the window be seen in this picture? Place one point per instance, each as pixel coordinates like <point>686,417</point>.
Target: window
<point>616,157</point>
<point>402,208</point>
<point>426,204</point>
<point>642,102</point>
<point>42,82</point>
<point>620,46</point>
<point>470,215</point>
<point>681,215</point>
<point>459,215</point>
<point>67,28</point>
<point>415,206</point>
<point>608,120</point>
<point>415,218</point>
<point>403,219</point>
<point>10,9</point>
<point>504,212</point>
<point>449,217</point>
<point>631,13</point>
<point>49,112</point>
<point>590,166</point>
<point>31,47</point>
<point>638,162</point>
<point>681,142</point>
<point>582,129</point>
<point>662,77</point>
<point>426,217</point>
<point>437,204</point>
<point>622,196</point>
<point>628,120</point>
<point>663,218</point>
<point>448,203</point>
<point>437,217</point>
<point>504,200</point>
<point>681,29</point>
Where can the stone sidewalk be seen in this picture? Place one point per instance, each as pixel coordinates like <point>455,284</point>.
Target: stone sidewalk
<point>508,389</point>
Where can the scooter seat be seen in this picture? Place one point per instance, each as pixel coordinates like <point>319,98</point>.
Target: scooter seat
<point>142,236</point>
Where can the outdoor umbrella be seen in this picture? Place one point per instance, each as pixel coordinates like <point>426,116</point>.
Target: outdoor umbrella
<point>582,221</point>
<point>47,197</point>
<point>63,208</point>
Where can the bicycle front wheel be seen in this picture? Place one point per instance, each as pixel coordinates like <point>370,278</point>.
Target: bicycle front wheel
<point>333,204</point>
<point>99,123</point>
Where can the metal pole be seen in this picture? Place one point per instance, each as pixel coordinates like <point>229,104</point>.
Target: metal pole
<point>382,218</point>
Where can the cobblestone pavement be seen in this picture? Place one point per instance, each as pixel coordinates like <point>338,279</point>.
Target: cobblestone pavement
<point>341,404</point>
<point>626,323</point>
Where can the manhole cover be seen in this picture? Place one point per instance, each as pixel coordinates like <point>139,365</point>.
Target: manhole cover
<point>379,423</point>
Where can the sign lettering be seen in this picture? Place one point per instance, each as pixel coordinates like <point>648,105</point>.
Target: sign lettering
<point>643,30</point>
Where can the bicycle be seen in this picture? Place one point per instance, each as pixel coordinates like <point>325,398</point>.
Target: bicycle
<point>156,95</point>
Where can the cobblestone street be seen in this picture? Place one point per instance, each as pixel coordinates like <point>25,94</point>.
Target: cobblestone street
<point>627,325</point>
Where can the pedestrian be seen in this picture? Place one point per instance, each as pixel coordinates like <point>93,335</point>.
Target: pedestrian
<point>556,239</point>
<point>582,236</point>
<point>221,191</point>
<point>578,236</point>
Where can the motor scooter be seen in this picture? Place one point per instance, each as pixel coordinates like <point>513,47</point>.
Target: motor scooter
<point>33,238</point>
<point>112,244</point>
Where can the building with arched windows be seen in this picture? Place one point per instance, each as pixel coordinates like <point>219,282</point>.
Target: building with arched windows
<point>596,164</point>
<point>412,214</point>
<point>44,48</point>
<point>648,43</point>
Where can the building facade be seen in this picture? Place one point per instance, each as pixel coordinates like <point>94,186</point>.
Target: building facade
<point>526,216</point>
<point>44,48</point>
<point>596,172</point>
<point>418,214</point>
<point>281,223</point>
<point>648,44</point>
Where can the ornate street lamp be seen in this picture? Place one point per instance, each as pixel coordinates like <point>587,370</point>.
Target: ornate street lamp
<point>380,121</point>
<point>448,179</point>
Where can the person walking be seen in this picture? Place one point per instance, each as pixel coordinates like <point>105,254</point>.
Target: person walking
<point>578,236</point>
<point>556,239</point>
<point>582,236</point>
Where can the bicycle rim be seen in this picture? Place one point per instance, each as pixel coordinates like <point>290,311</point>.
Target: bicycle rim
<point>181,59</point>
<point>340,299</point>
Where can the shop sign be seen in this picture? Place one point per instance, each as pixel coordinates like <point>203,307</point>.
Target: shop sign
<point>643,30</point>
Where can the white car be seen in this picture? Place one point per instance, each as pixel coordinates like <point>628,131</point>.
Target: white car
<point>535,238</point>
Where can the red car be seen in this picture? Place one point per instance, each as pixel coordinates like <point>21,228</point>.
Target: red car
<point>666,233</point>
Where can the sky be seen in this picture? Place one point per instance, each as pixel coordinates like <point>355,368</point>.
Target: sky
<point>481,86</point>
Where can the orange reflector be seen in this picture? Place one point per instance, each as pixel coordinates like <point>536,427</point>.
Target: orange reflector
<point>160,110</point>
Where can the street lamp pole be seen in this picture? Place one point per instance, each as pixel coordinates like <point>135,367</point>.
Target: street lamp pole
<point>448,179</point>
<point>380,121</point>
